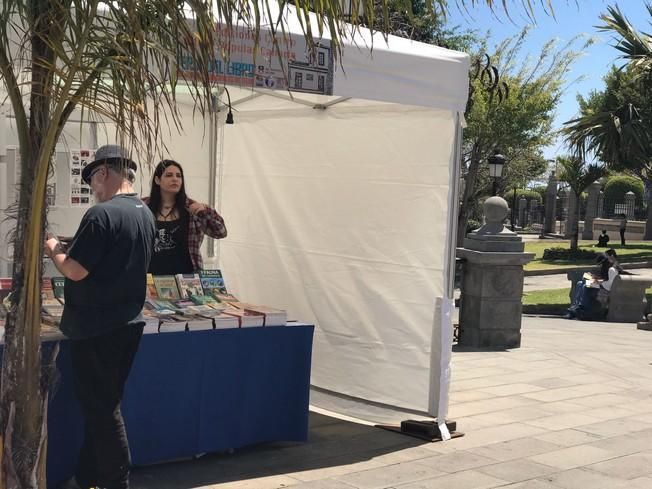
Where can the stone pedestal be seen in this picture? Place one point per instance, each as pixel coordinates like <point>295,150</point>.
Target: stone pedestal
<point>492,283</point>
<point>551,205</point>
<point>591,210</point>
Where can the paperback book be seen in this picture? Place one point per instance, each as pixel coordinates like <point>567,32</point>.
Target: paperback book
<point>212,282</point>
<point>166,287</point>
<point>189,285</point>
<point>246,318</point>
<point>273,317</point>
<point>58,286</point>
<point>151,292</point>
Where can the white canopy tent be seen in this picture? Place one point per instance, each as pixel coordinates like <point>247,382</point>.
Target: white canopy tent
<point>340,207</point>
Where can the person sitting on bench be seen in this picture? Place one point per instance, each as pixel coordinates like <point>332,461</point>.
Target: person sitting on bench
<point>587,289</point>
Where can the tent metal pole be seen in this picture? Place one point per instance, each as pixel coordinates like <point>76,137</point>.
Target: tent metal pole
<point>453,209</point>
<point>212,165</point>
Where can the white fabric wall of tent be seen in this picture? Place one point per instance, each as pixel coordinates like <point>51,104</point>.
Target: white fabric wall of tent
<point>340,209</point>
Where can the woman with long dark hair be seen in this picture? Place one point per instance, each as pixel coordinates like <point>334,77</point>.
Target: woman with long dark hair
<point>181,222</point>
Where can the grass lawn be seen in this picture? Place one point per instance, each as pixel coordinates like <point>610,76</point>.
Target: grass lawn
<point>635,251</point>
<point>553,301</point>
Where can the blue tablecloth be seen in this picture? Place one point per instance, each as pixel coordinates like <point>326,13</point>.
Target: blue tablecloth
<point>196,392</point>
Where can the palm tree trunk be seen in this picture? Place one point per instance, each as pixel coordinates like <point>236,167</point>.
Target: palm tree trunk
<point>576,224</point>
<point>23,392</point>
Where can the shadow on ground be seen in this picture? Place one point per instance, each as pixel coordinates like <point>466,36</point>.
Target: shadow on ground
<point>332,442</point>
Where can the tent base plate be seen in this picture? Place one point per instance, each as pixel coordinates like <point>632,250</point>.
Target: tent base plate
<point>424,430</point>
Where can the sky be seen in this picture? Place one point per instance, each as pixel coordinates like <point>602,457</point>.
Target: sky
<point>572,17</point>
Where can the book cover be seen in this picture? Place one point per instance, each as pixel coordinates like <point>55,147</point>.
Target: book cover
<point>166,287</point>
<point>189,284</point>
<point>212,281</point>
<point>58,285</point>
<point>151,292</point>
<point>226,298</point>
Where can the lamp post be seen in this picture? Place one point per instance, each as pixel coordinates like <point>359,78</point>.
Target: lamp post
<point>496,163</point>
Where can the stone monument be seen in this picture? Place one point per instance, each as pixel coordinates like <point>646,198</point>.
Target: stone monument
<point>551,205</point>
<point>492,282</point>
<point>591,210</point>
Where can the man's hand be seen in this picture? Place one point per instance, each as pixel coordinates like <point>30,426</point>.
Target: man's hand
<point>52,245</point>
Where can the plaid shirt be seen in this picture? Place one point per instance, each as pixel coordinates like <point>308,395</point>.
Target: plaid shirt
<point>207,222</point>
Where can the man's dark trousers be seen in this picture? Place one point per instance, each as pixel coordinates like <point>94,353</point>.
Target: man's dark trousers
<point>101,366</point>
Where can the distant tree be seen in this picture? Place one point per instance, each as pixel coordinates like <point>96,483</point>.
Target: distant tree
<point>520,125</point>
<point>615,124</point>
<point>578,175</point>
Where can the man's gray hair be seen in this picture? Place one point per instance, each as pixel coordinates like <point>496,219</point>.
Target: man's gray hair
<point>120,167</point>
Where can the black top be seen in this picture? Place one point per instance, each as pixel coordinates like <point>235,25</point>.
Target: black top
<point>114,244</point>
<point>171,254</point>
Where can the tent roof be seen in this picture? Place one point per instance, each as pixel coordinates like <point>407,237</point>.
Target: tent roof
<point>394,69</point>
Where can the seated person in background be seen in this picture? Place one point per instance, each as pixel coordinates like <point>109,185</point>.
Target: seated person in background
<point>587,289</point>
<point>603,239</point>
<point>181,223</point>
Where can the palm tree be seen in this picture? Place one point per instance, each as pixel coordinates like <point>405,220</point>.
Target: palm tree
<point>636,47</point>
<point>115,61</point>
<point>579,176</point>
<point>616,132</point>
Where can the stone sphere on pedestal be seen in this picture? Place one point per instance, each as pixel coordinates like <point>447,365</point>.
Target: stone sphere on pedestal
<point>495,209</point>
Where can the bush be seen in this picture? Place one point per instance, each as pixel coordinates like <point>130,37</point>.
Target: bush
<point>528,194</point>
<point>472,225</point>
<point>553,254</point>
<point>617,186</point>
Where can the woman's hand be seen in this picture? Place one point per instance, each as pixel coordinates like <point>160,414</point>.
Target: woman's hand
<point>196,208</point>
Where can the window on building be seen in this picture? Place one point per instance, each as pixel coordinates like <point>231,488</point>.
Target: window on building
<point>298,80</point>
<point>310,77</point>
<point>320,83</point>
<point>321,59</point>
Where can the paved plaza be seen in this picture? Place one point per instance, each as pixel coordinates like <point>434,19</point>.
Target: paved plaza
<point>571,408</point>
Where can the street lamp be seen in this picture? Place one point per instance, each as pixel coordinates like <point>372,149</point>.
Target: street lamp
<point>496,163</point>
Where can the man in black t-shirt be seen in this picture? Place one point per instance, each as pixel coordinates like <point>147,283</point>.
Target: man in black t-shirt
<point>105,269</point>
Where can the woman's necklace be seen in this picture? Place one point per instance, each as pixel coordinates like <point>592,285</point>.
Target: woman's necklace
<point>168,214</point>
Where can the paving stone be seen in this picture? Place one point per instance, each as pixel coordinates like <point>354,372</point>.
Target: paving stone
<point>511,389</point>
<point>456,462</point>
<point>570,458</point>
<point>531,484</point>
<point>335,467</point>
<point>563,421</point>
<point>517,470</point>
<point>513,449</point>
<point>626,467</point>
<point>390,475</point>
<point>615,427</point>
<point>462,480</point>
<point>585,479</point>
<point>322,484</point>
<point>569,438</point>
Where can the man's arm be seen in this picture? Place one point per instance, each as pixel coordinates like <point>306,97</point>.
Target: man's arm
<point>68,267</point>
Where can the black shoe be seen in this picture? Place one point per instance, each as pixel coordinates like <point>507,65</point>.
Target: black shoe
<point>569,315</point>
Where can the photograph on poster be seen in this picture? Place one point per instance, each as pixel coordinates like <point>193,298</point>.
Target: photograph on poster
<point>79,158</point>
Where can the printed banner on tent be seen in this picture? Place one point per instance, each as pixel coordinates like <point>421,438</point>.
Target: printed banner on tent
<point>287,65</point>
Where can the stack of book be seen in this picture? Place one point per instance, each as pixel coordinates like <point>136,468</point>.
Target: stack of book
<point>52,300</point>
<point>173,303</point>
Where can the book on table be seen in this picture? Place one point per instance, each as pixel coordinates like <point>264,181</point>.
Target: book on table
<point>189,284</point>
<point>58,286</point>
<point>151,322</point>
<point>151,291</point>
<point>272,316</point>
<point>212,280</point>
<point>172,324</point>
<point>166,287</point>
<point>225,321</point>
<point>246,318</point>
